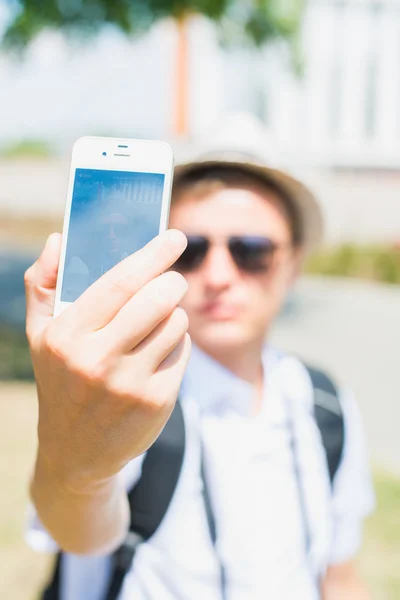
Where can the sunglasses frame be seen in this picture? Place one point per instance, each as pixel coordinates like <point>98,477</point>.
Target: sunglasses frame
<point>250,264</point>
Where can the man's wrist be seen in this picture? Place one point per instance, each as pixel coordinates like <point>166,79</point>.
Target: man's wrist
<point>70,512</point>
<point>49,473</point>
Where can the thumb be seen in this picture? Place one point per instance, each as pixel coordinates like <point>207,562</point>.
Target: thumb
<point>40,287</point>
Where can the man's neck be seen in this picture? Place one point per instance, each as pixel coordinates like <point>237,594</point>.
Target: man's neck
<point>245,363</point>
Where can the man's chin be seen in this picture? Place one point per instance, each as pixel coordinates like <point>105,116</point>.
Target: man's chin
<point>221,335</point>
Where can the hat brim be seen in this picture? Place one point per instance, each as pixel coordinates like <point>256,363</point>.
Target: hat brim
<point>301,198</point>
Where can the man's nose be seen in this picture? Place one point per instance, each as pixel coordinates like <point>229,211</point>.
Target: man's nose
<point>111,233</point>
<point>219,270</point>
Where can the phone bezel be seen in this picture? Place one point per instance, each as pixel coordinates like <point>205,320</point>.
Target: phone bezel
<point>146,156</point>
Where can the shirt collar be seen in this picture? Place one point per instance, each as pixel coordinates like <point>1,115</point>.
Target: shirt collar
<point>216,389</point>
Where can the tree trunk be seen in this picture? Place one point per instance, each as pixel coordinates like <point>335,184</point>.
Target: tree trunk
<point>180,127</point>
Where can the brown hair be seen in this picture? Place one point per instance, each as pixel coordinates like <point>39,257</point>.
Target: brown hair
<point>200,181</point>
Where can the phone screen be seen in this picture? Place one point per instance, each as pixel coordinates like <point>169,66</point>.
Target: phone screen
<point>113,214</point>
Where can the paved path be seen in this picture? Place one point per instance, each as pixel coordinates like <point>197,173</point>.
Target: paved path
<point>353,329</point>
<point>33,188</point>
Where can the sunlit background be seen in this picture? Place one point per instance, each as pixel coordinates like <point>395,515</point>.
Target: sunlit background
<point>324,78</point>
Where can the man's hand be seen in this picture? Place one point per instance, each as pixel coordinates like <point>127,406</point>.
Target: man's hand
<point>108,369</point>
<point>343,582</point>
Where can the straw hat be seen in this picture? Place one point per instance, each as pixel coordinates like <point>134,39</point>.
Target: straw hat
<point>242,144</point>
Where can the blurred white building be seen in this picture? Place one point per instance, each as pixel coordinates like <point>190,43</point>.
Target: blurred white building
<point>343,111</point>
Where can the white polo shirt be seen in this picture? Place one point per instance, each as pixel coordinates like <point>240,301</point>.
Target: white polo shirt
<point>254,493</point>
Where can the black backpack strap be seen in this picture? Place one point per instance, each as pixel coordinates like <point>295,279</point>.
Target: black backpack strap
<point>329,417</point>
<point>52,591</point>
<point>150,498</point>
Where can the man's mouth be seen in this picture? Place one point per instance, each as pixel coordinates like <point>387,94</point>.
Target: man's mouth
<point>219,311</point>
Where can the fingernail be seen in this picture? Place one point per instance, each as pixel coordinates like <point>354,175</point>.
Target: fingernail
<point>51,240</point>
<point>176,237</point>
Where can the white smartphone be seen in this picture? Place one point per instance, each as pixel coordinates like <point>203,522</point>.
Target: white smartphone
<point>118,199</point>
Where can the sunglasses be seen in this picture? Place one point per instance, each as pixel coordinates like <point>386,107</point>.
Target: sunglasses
<point>250,253</point>
<point>119,230</point>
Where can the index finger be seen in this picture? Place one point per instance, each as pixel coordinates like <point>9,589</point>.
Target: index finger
<point>99,304</point>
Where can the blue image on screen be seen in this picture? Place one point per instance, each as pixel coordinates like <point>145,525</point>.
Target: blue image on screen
<point>113,214</point>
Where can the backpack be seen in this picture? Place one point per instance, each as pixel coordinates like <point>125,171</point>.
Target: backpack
<point>150,498</point>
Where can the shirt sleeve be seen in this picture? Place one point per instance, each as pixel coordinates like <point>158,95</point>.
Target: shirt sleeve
<point>38,538</point>
<point>353,493</point>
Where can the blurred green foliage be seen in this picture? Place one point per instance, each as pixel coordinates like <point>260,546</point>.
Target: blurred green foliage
<point>255,21</point>
<point>377,263</point>
<point>15,360</point>
<point>388,499</point>
<point>380,558</point>
<point>29,148</point>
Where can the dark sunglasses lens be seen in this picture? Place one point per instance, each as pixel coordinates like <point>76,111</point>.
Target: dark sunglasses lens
<point>251,253</point>
<point>119,230</point>
<point>193,255</point>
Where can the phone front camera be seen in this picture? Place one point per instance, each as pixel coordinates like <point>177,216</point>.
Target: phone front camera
<point>104,153</point>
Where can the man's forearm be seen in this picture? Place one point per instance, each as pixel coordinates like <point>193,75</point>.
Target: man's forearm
<point>82,522</point>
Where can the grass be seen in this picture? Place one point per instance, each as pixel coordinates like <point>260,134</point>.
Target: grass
<point>29,148</point>
<point>22,571</point>
<point>380,560</point>
<point>377,263</point>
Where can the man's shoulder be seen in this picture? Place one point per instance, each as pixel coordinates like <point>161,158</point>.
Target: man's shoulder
<point>276,355</point>
<point>77,265</point>
<point>305,371</point>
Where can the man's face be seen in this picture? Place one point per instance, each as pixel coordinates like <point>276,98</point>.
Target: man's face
<point>229,307</point>
<point>113,229</point>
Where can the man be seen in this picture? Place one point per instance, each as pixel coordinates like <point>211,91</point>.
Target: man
<point>108,372</point>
